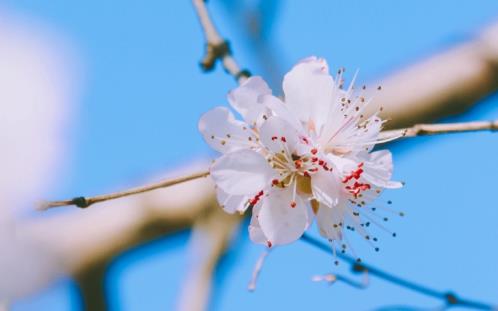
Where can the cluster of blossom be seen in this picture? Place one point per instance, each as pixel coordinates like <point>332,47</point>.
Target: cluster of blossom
<point>293,160</point>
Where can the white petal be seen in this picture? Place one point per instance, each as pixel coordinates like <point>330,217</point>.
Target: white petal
<point>357,136</point>
<point>243,172</point>
<point>255,232</point>
<point>308,89</point>
<point>278,135</point>
<point>281,223</point>
<point>232,203</point>
<point>378,168</point>
<point>326,187</point>
<point>224,133</point>
<point>331,219</point>
<point>246,99</point>
<point>281,110</point>
<point>344,165</point>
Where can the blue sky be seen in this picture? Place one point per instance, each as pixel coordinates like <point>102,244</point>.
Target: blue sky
<point>143,92</point>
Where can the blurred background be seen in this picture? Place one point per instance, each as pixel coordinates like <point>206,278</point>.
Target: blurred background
<point>96,96</point>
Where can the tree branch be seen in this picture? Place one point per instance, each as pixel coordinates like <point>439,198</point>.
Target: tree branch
<point>444,84</point>
<point>84,202</point>
<point>449,298</point>
<point>442,128</point>
<point>216,47</point>
<point>416,130</point>
<point>209,239</point>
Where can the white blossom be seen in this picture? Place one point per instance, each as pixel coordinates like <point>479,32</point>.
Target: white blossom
<point>292,160</point>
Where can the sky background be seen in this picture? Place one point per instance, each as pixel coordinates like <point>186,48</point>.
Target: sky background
<point>142,93</point>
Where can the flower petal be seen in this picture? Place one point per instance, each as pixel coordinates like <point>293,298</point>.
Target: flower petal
<point>224,133</point>
<point>278,135</point>
<point>232,203</point>
<point>330,220</point>
<point>281,223</point>
<point>243,172</point>
<point>246,99</point>
<point>326,187</point>
<point>281,110</point>
<point>378,169</point>
<point>255,232</point>
<point>308,89</point>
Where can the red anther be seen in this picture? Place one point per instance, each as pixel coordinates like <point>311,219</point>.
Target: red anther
<point>274,138</point>
<point>314,159</point>
<point>320,162</point>
<point>325,167</point>
<point>305,140</point>
<point>283,139</point>
<point>313,169</point>
<point>253,202</point>
<point>306,174</point>
<point>269,244</point>
<point>293,204</point>
<point>314,151</point>
<point>275,182</point>
<point>360,164</point>
<point>260,193</point>
<point>357,174</point>
<point>298,163</point>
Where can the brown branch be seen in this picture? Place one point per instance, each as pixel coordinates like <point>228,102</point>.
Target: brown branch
<point>416,130</point>
<point>83,239</point>
<point>84,202</point>
<point>216,47</point>
<point>443,128</point>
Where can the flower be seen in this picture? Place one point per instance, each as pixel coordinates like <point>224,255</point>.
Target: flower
<point>293,160</point>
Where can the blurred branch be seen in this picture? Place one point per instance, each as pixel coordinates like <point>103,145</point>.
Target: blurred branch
<point>89,237</point>
<point>449,298</point>
<point>91,283</point>
<point>416,130</point>
<point>210,237</point>
<point>216,47</point>
<point>445,84</point>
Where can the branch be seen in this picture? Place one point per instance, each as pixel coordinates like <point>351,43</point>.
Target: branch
<point>444,84</point>
<point>84,202</point>
<point>121,224</point>
<point>209,239</point>
<point>443,128</point>
<point>416,130</point>
<point>449,298</point>
<point>216,47</point>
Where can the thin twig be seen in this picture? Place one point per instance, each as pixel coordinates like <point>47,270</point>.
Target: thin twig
<point>433,129</point>
<point>416,130</point>
<point>84,202</point>
<point>449,298</point>
<point>216,47</point>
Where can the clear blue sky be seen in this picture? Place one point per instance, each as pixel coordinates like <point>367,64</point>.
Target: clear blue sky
<point>143,94</point>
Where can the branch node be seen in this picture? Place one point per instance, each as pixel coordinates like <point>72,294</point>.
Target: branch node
<point>214,52</point>
<point>451,299</point>
<point>81,202</point>
<point>357,267</point>
<point>243,73</point>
